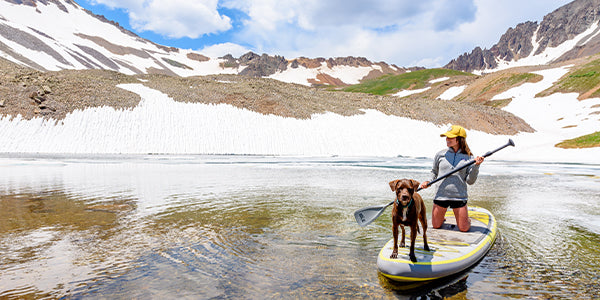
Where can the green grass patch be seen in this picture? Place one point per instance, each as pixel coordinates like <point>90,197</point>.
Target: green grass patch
<point>523,77</point>
<point>506,82</point>
<point>579,81</point>
<point>498,103</point>
<point>388,84</point>
<point>586,141</point>
<point>588,74</point>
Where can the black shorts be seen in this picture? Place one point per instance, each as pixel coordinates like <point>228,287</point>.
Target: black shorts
<point>450,203</point>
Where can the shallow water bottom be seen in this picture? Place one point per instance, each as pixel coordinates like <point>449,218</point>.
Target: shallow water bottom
<point>274,227</point>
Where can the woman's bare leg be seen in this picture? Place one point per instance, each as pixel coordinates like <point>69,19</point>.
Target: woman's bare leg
<point>438,215</point>
<point>462,218</point>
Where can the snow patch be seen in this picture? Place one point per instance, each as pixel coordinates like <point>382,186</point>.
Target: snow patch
<point>404,93</point>
<point>301,74</point>
<point>555,118</point>
<point>161,125</point>
<point>439,80</point>
<point>452,92</point>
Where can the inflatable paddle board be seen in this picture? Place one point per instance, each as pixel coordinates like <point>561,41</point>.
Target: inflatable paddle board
<point>451,252</point>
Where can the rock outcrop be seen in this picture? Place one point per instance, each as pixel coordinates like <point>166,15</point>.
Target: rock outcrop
<point>530,38</point>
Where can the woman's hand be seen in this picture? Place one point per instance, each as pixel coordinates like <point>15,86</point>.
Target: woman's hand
<point>424,185</point>
<point>479,160</point>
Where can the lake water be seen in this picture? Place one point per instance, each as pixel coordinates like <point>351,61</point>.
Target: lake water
<point>275,227</point>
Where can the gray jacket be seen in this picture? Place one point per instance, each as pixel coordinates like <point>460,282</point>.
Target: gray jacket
<point>454,187</point>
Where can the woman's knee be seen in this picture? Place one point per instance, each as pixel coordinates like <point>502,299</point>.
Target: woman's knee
<point>462,219</point>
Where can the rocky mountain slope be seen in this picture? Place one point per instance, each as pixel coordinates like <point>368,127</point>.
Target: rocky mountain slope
<point>53,68</point>
<point>52,35</point>
<point>53,94</point>
<point>569,32</point>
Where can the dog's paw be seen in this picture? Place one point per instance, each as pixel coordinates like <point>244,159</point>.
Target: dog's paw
<point>426,248</point>
<point>413,258</point>
<point>402,245</point>
<point>394,255</point>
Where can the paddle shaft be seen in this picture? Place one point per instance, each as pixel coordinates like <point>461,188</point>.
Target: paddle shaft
<point>470,162</point>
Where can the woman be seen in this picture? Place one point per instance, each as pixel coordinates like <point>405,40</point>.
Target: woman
<point>452,191</point>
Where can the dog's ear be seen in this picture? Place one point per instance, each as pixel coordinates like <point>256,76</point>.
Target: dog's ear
<point>415,184</point>
<point>393,184</point>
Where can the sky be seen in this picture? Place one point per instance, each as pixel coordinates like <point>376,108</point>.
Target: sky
<point>427,33</point>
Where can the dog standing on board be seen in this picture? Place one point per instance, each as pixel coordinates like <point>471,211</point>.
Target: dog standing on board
<point>408,210</point>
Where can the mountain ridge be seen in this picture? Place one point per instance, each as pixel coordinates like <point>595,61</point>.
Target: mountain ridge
<point>97,45</point>
<point>530,40</point>
<point>26,28</point>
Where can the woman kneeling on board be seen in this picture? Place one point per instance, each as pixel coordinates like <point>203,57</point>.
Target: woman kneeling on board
<point>452,191</point>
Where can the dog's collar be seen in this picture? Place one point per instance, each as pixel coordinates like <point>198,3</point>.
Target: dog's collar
<point>402,206</point>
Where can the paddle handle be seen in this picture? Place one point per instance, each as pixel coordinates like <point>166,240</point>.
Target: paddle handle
<point>470,162</point>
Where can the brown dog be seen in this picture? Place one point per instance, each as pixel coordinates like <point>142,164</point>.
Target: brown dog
<point>408,207</point>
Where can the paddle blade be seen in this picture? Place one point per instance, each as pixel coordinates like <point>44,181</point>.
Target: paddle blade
<point>365,216</point>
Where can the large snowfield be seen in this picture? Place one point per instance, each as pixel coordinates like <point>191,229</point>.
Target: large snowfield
<point>161,125</point>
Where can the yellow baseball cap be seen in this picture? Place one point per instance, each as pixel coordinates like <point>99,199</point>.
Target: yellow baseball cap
<point>455,131</point>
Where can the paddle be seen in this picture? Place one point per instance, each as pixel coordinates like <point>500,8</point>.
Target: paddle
<point>365,216</point>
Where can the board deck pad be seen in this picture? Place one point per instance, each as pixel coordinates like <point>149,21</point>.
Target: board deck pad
<point>452,251</point>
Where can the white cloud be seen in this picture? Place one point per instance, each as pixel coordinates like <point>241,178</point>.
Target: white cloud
<point>404,32</point>
<point>313,15</point>
<point>219,50</point>
<point>173,18</point>
<point>428,33</point>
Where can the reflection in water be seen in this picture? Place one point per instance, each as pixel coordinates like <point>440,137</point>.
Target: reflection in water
<point>259,227</point>
<point>437,289</point>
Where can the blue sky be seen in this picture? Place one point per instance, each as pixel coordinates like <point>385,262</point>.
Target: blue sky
<point>407,33</point>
